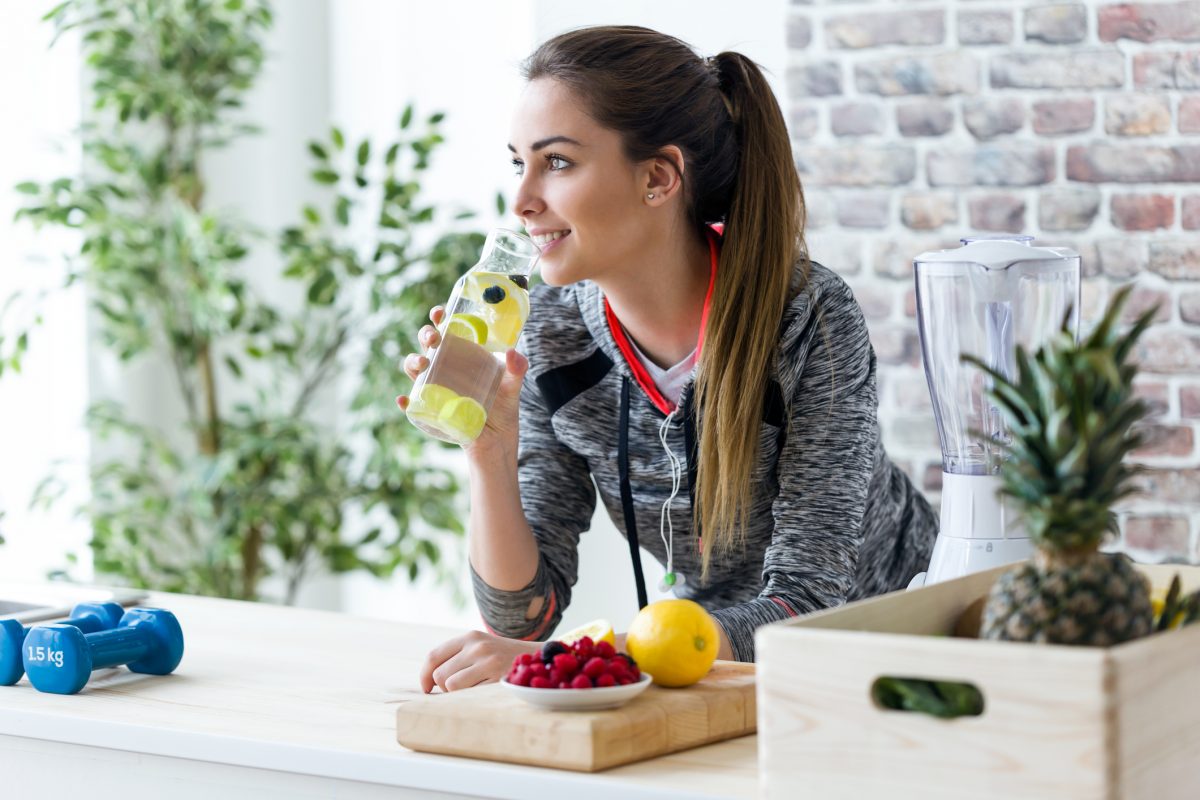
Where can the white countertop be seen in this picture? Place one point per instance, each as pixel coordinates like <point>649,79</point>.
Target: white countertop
<point>315,693</point>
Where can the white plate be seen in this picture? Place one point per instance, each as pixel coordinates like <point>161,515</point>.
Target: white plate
<point>593,699</point>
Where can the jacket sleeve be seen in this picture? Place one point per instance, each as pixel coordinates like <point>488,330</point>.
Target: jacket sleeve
<point>823,471</point>
<point>558,498</point>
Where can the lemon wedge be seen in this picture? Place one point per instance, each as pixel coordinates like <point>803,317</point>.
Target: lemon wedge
<point>598,630</point>
<point>427,402</point>
<point>463,418</point>
<point>468,326</point>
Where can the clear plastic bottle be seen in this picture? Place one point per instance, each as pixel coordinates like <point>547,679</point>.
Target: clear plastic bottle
<point>483,320</point>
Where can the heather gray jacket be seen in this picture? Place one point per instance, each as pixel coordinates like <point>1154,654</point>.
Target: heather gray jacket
<point>832,518</point>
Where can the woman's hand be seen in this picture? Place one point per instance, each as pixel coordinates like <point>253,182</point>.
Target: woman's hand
<point>470,660</point>
<point>500,432</point>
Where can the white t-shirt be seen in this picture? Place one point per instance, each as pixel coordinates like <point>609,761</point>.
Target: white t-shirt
<point>670,381</point>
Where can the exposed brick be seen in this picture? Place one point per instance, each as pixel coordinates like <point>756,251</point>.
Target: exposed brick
<point>1068,209</point>
<point>1170,485</point>
<point>1189,115</point>
<point>804,121</point>
<point>815,79</point>
<point>1060,24</point>
<point>799,32</point>
<point>944,73</point>
<point>1165,440</point>
<point>1162,535</point>
<point>1127,163</point>
<point>1066,115</point>
<point>1142,299</point>
<point>1143,212</point>
<point>1137,115</point>
<point>881,28</point>
<point>876,301</point>
<point>1150,22</point>
<point>1089,258</point>
<point>924,118</point>
<point>1189,401</point>
<point>1167,70</point>
<point>1093,296</point>
<point>1176,260</point>
<point>840,252</point>
<point>932,479</point>
<point>987,117</point>
<point>1156,396</point>
<point>997,212</point>
<point>1078,69</point>
<point>892,257</point>
<point>1122,258</point>
<point>863,209</point>
<point>910,303</point>
<point>896,344</point>
<point>856,119</point>
<point>1190,212</point>
<point>1169,353</point>
<point>1015,164</point>
<point>848,165</point>
<point>1189,307</point>
<point>985,27</point>
<point>925,211</point>
<point>819,207</point>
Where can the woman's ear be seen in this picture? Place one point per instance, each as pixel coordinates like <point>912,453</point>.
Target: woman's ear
<point>663,178</point>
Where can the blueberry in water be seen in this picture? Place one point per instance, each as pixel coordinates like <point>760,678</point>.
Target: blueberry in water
<point>520,280</point>
<point>551,649</point>
<point>494,294</point>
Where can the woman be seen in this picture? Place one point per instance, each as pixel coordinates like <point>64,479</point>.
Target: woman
<point>685,355</point>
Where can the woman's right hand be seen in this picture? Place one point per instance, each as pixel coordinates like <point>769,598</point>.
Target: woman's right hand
<point>500,432</point>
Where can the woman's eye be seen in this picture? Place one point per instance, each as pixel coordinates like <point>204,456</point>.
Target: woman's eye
<point>518,167</point>
<point>557,162</point>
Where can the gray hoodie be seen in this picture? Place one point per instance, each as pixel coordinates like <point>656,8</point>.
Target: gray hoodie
<point>832,518</point>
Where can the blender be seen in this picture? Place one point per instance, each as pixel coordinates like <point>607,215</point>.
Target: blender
<point>983,299</point>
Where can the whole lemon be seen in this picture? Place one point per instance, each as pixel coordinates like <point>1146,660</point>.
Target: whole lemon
<point>675,641</point>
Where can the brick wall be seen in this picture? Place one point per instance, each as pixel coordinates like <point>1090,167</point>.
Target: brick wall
<point>1079,123</point>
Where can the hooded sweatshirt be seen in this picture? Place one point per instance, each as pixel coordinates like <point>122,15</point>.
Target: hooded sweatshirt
<point>831,518</point>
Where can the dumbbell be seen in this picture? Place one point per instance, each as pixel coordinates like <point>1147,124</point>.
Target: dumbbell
<point>60,658</point>
<point>87,617</point>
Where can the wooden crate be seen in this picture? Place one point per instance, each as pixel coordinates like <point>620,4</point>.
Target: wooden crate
<point>1058,722</point>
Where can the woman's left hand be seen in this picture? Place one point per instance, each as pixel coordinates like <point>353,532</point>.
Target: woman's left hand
<point>471,659</point>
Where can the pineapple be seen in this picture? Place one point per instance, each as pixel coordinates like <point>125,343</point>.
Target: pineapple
<point>1070,411</point>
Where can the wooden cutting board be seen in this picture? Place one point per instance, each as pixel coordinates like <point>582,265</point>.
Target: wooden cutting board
<point>489,722</point>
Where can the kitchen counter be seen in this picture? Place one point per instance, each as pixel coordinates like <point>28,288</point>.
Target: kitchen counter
<point>281,702</point>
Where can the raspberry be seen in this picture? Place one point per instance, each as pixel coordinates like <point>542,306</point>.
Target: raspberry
<point>595,667</point>
<point>539,682</point>
<point>537,668</point>
<point>521,676</point>
<point>584,648</point>
<point>604,650</point>
<point>619,672</point>
<point>566,664</point>
<point>628,659</point>
<point>563,684</point>
<point>625,681</point>
<point>551,649</point>
<point>605,680</point>
<point>524,658</point>
<point>581,681</point>
<point>556,676</point>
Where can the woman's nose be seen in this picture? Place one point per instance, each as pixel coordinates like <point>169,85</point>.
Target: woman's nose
<point>528,201</point>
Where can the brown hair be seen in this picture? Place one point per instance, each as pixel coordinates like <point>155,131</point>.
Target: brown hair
<point>655,91</point>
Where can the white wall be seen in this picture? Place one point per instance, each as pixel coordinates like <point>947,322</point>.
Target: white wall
<point>41,410</point>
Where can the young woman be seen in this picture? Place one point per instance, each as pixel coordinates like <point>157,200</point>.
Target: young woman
<point>685,358</point>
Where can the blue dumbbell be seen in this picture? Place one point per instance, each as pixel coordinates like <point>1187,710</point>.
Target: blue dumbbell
<point>87,617</point>
<point>60,659</point>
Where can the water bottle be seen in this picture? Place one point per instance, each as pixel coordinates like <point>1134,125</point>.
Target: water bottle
<point>483,320</point>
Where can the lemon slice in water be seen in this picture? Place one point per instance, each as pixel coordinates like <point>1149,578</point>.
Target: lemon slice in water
<point>427,402</point>
<point>468,326</point>
<point>462,417</point>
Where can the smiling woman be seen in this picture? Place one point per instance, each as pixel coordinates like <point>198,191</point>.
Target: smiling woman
<point>41,410</point>
<point>686,360</point>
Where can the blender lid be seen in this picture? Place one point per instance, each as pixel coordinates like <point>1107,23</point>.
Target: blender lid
<point>996,253</point>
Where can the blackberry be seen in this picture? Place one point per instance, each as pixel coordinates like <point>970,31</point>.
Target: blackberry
<point>552,649</point>
<point>494,294</point>
<point>520,280</point>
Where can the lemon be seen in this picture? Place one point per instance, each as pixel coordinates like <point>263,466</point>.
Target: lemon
<point>469,327</point>
<point>676,641</point>
<point>462,417</point>
<point>598,630</point>
<point>427,402</point>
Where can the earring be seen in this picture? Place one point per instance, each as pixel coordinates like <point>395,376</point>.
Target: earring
<point>650,196</point>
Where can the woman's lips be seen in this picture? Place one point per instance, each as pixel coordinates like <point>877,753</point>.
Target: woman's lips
<point>546,248</point>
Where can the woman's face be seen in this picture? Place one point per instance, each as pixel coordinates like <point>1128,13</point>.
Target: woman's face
<point>579,196</point>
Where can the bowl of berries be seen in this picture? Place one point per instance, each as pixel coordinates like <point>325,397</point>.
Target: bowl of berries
<point>580,676</point>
